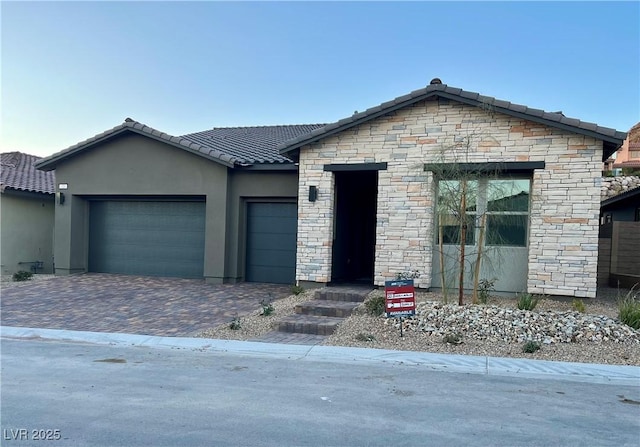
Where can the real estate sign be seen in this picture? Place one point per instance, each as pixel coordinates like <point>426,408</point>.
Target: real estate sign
<point>400,298</point>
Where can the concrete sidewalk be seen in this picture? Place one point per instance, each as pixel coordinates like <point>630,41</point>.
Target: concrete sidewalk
<point>538,369</point>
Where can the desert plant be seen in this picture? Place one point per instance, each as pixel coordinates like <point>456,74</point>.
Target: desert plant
<point>453,338</point>
<point>22,276</point>
<point>485,287</point>
<point>365,337</point>
<point>414,274</point>
<point>375,305</point>
<point>530,347</point>
<point>296,289</point>
<point>267,306</point>
<point>578,306</point>
<point>235,324</point>
<point>527,301</point>
<point>629,309</point>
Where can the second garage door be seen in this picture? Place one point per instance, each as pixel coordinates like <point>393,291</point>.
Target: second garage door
<point>271,242</point>
<point>155,238</point>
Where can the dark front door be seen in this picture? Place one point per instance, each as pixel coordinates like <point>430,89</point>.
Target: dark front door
<point>355,226</point>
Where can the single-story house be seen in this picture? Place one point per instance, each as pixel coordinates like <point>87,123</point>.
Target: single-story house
<point>353,201</point>
<point>219,204</point>
<point>26,215</point>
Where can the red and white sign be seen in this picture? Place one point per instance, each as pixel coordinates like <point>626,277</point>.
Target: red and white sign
<point>400,298</point>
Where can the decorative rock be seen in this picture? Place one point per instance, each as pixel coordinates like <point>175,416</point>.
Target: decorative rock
<point>513,325</point>
<point>612,186</point>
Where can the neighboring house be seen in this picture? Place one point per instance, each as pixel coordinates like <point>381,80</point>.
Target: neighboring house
<point>628,157</point>
<point>26,215</point>
<point>375,212</point>
<point>620,200</point>
<point>352,201</point>
<point>218,204</point>
<point>619,243</point>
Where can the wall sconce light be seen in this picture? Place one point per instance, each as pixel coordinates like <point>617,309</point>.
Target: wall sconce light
<point>313,193</point>
<point>60,197</point>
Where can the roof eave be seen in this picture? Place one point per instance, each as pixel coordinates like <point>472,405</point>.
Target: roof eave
<point>611,144</point>
<point>285,149</point>
<point>50,163</point>
<point>619,197</point>
<point>5,188</point>
<point>271,167</point>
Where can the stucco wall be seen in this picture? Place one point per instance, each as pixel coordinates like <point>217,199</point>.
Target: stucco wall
<point>26,221</point>
<point>563,235</point>
<point>136,165</point>
<point>244,186</point>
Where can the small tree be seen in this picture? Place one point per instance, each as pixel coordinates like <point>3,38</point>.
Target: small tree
<point>458,211</point>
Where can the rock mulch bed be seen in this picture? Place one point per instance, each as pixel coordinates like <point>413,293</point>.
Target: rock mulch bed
<point>497,323</point>
<point>499,329</point>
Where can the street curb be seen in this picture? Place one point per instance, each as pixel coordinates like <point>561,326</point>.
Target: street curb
<point>494,366</point>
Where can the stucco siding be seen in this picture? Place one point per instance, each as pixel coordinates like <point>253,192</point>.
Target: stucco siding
<point>563,235</point>
<point>263,186</point>
<point>133,165</point>
<point>26,221</point>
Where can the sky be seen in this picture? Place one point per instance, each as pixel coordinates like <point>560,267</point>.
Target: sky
<point>71,70</point>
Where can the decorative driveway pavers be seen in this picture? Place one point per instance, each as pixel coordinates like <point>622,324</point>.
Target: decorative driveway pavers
<point>130,304</point>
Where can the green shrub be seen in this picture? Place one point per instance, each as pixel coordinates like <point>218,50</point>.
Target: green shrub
<point>408,275</point>
<point>527,301</point>
<point>629,309</point>
<point>267,307</point>
<point>235,324</point>
<point>375,305</point>
<point>578,305</point>
<point>453,339</point>
<point>22,276</point>
<point>365,337</point>
<point>297,290</point>
<point>530,347</point>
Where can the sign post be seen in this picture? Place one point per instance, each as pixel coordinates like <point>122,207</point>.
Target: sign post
<point>400,299</point>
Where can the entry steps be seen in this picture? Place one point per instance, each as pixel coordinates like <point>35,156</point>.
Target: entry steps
<point>322,315</point>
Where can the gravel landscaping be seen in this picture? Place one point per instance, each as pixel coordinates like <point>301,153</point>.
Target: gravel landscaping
<point>497,329</point>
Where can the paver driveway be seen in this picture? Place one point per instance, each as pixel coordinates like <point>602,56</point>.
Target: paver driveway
<point>130,304</point>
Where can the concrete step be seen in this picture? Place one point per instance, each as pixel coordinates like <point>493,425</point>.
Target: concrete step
<point>355,294</point>
<point>309,324</point>
<point>326,308</point>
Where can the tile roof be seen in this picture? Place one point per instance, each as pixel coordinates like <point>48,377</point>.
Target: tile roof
<point>17,171</point>
<point>130,125</point>
<point>627,164</point>
<point>612,138</point>
<point>230,146</point>
<point>251,145</point>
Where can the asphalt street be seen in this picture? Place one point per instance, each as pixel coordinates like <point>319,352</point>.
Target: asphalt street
<point>97,395</point>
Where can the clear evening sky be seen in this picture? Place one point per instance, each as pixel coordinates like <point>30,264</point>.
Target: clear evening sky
<point>71,70</point>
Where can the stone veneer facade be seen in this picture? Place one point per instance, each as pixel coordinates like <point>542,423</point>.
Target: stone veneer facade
<point>565,195</point>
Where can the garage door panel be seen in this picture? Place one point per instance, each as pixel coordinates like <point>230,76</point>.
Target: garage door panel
<point>272,225</point>
<point>263,241</point>
<point>279,258</point>
<point>147,238</point>
<point>271,242</point>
